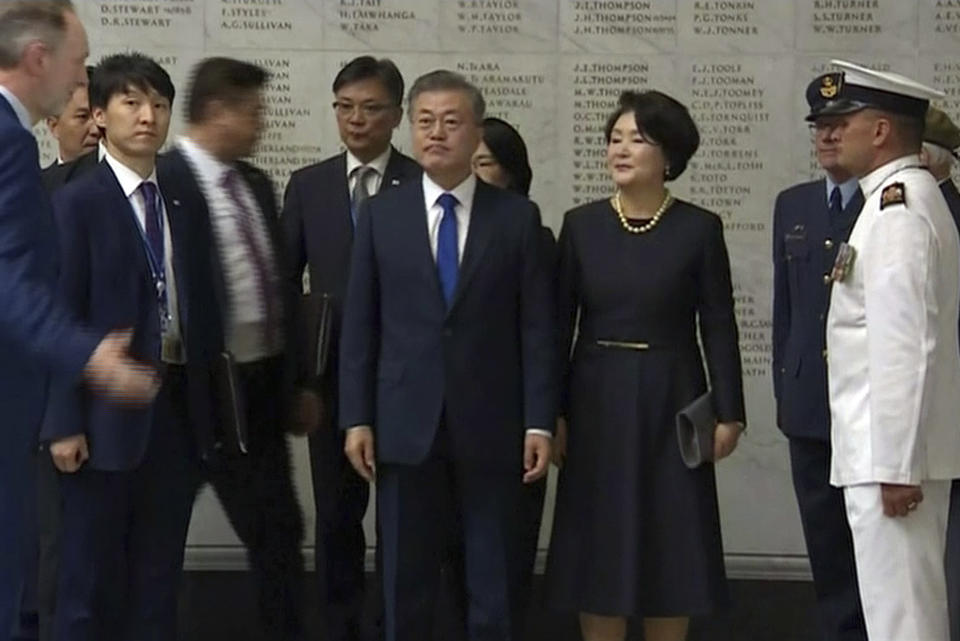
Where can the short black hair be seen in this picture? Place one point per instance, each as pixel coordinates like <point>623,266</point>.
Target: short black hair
<point>368,67</point>
<point>446,80</point>
<point>225,79</point>
<point>117,73</point>
<point>664,121</point>
<point>507,146</point>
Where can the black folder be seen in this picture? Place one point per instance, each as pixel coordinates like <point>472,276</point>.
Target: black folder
<point>315,327</point>
<point>231,404</point>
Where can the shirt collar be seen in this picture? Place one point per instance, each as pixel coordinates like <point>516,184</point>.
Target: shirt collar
<point>22,114</point>
<point>872,181</point>
<point>847,189</point>
<point>379,163</point>
<point>206,162</point>
<point>129,179</point>
<point>463,192</point>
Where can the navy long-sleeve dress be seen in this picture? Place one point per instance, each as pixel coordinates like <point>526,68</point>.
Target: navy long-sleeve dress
<point>636,533</point>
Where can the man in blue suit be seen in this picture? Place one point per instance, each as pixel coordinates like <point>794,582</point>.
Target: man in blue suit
<point>128,475</point>
<point>810,222</point>
<point>42,51</point>
<point>447,390</point>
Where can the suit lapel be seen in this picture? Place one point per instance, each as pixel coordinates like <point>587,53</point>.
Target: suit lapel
<point>342,217</point>
<point>118,202</point>
<point>174,208</point>
<point>395,174</point>
<point>479,234</point>
<point>412,231</point>
<point>191,228</point>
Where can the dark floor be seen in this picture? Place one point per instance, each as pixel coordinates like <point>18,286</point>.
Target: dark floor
<point>220,605</point>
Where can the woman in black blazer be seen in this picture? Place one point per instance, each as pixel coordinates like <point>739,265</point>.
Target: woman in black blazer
<point>637,533</point>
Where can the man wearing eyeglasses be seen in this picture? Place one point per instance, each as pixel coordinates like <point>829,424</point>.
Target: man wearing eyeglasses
<point>811,220</point>
<point>319,216</point>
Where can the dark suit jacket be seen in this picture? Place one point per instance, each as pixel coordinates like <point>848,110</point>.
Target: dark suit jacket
<point>37,334</point>
<point>952,196</point>
<point>56,176</point>
<point>802,227</point>
<point>105,281</point>
<point>484,368</point>
<point>318,230</point>
<point>203,295</point>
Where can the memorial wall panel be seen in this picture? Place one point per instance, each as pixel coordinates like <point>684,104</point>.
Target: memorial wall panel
<point>555,68</point>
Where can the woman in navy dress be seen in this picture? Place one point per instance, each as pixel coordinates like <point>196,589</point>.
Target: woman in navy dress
<point>636,533</point>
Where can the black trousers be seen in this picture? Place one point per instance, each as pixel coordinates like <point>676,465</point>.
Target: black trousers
<point>257,494</point>
<point>829,543</point>
<point>426,509</point>
<point>530,518</point>
<point>121,551</point>
<point>340,497</point>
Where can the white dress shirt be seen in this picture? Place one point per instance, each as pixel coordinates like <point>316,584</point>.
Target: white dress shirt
<point>130,185</point>
<point>246,335</point>
<point>374,178</point>
<point>464,195</point>
<point>18,108</point>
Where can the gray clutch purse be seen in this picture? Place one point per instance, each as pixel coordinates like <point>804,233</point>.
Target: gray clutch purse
<point>696,424</point>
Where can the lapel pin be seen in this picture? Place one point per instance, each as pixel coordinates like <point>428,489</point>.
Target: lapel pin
<point>394,182</point>
<point>176,202</point>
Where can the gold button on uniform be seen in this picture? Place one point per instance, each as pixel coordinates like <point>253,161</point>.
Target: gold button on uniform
<point>828,244</point>
<point>826,279</point>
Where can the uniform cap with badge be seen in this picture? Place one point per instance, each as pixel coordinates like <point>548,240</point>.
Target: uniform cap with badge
<point>856,87</point>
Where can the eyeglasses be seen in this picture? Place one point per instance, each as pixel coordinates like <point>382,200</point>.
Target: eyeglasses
<point>367,109</point>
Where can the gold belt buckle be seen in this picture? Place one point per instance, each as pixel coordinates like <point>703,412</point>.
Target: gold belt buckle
<point>624,345</point>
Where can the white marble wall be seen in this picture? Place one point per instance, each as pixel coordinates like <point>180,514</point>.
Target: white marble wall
<point>555,68</point>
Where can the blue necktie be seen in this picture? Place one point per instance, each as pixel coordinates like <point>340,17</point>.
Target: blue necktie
<point>448,265</point>
<point>152,226</point>
<point>836,201</point>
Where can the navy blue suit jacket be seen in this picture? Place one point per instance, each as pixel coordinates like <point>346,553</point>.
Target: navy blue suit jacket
<point>949,190</point>
<point>37,334</point>
<point>805,242</point>
<point>485,367</point>
<point>318,230</point>
<point>106,281</point>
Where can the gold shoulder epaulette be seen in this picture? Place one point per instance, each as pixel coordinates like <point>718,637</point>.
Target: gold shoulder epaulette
<point>893,194</point>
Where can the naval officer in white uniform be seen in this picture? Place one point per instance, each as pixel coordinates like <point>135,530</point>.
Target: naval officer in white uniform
<point>892,356</point>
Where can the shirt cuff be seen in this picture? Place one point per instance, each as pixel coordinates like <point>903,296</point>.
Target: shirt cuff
<point>546,433</point>
<point>353,428</point>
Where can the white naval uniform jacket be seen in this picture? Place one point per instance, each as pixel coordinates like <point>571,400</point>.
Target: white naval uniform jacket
<point>892,355</point>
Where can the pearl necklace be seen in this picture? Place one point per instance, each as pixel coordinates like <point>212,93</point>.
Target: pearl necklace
<point>642,229</point>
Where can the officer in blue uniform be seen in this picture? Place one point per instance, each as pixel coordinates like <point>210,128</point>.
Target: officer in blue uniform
<point>810,221</point>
